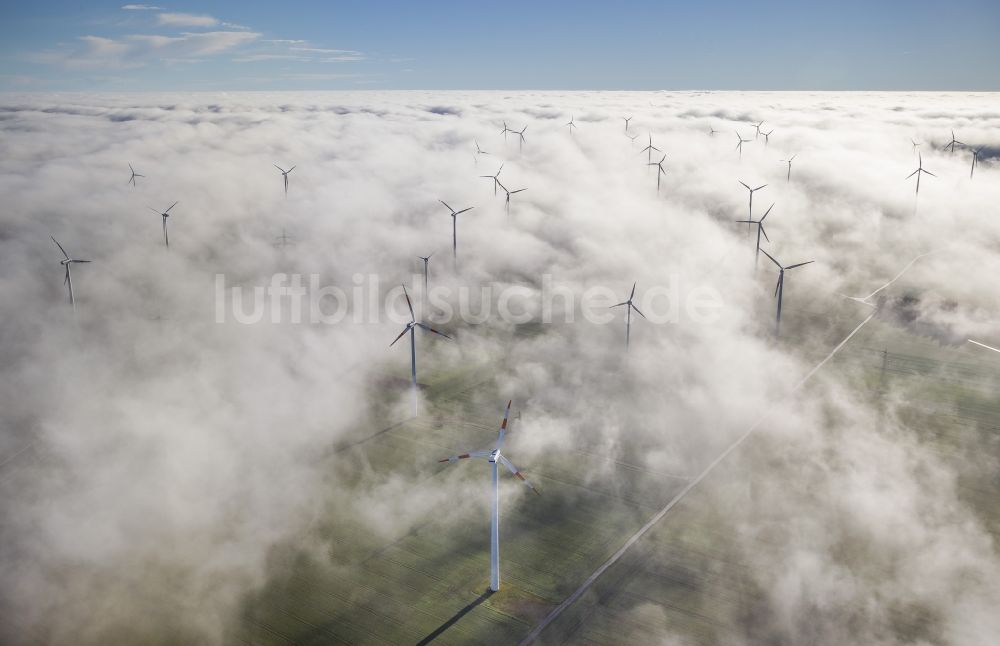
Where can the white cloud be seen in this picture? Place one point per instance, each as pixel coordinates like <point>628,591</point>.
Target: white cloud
<point>186,20</point>
<point>331,55</point>
<point>194,44</point>
<point>141,7</point>
<point>137,50</point>
<point>255,58</point>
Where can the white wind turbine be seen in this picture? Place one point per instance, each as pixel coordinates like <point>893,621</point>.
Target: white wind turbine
<point>411,328</point>
<point>164,215</point>
<point>284,174</point>
<point>131,180</point>
<point>454,228</point>
<point>493,457</point>
<point>629,306</point>
<point>66,262</point>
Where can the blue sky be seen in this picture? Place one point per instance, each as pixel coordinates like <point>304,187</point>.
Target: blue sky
<point>769,45</point>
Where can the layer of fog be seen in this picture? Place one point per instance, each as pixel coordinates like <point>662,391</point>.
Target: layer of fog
<point>167,453</point>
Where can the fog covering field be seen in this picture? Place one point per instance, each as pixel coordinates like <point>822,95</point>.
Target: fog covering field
<point>170,478</point>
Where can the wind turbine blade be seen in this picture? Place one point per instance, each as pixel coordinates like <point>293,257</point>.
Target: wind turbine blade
<point>765,213</point>
<point>464,210</point>
<point>760,187</point>
<point>430,329</point>
<point>60,247</point>
<point>172,206</point>
<point>510,467</point>
<point>637,310</point>
<point>413,317</point>
<point>763,232</point>
<point>799,264</point>
<point>633,291</point>
<point>912,174</point>
<point>503,427</point>
<point>930,173</point>
<point>291,169</point>
<point>279,168</point>
<point>446,205</point>
<point>772,259</point>
<point>463,456</point>
<point>405,330</point>
<point>154,210</point>
<point>777,285</point>
<point>518,190</point>
<point>79,261</point>
<point>747,187</point>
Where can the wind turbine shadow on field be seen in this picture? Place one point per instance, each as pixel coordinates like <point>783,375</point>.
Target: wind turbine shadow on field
<point>455,618</point>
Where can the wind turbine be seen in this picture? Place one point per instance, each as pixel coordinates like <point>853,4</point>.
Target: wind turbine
<point>520,141</point>
<point>509,193</point>
<point>493,457</point>
<point>712,131</point>
<point>916,144</point>
<point>767,137</point>
<point>426,259</point>
<point>284,174</point>
<point>649,150</point>
<point>454,229</point>
<point>131,180</point>
<point>495,178</point>
<point>479,151</point>
<point>779,289</point>
<point>788,161</point>
<point>951,144</point>
<point>627,119</point>
<point>165,215</point>
<point>739,145</point>
<point>919,171</point>
<point>629,306</point>
<point>66,262</point>
<point>757,126</point>
<point>975,160</point>
<point>659,173</point>
<point>760,230</point>
<point>632,138</point>
<point>283,240</point>
<point>411,328</point>
<point>752,191</point>
<point>571,125</point>
<point>505,131</point>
